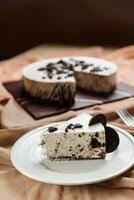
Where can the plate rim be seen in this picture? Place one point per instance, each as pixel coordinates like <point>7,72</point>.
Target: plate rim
<point>59,182</point>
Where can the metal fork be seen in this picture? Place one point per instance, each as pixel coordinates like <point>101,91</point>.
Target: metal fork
<point>125,116</point>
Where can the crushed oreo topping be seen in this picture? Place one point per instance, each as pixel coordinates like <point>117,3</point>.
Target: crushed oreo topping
<point>52,129</point>
<point>73,126</point>
<point>94,143</point>
<point>67,68</point>
<point>42,142</point>
<point>62,62</point>
<point>70,149</point>
<point>60,67</point>
<point>81,62</point>
<point>41,69</point>
<point>69,74</point>
<point>96,69</point>
<point>50,75</point>
<point>70,126</point>
<point>81,149</point>
<point>71,67</point>
<point>105,68</point>
<point>59,71</point>
<point>66,129</point>
<point>103,145</point>
<point>50,66</point>
<point>78,125</point>
<point>96,134</point>
<point>73,154</point>
<point>85,66</point>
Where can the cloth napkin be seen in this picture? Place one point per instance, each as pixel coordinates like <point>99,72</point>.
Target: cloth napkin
<point>14,122</point>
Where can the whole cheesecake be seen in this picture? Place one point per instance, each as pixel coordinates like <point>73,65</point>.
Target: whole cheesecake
<point>57,79</point>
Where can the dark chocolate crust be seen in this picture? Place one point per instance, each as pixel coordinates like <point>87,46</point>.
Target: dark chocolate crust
<point>75,158</point>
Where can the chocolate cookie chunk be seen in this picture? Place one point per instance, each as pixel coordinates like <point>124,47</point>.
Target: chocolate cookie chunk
<point>100,118</point>
<point>85,66</point>
<point>95,143</point>
<point>78,125</point>
<point>112,139</point>
<point>62,62</point>
<point>96,69</point>
<point>52,129</point>
<point>41,69</point>
<point>69,126</point>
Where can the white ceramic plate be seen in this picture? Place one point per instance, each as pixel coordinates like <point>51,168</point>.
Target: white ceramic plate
<point>27,157</point>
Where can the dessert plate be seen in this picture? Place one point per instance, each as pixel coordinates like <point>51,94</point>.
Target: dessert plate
<point>27,157</point>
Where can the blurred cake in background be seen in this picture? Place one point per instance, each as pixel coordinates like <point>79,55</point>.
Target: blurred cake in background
<point>56,79</point>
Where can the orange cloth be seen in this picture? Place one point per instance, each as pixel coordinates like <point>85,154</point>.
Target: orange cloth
<point>14,122</point>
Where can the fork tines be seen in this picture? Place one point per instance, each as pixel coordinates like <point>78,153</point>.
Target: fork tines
<point>125,116</point>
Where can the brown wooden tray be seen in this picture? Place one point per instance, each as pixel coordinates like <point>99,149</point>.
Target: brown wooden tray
<point>40,110</point>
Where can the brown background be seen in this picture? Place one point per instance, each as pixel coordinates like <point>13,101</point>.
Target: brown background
<point>26,23</point>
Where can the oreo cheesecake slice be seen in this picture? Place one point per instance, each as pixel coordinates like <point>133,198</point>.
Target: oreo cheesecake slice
<point>75,139</point>
<point>79,139</point>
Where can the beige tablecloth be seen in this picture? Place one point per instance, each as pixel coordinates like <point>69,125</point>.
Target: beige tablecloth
<point>14,122</point>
